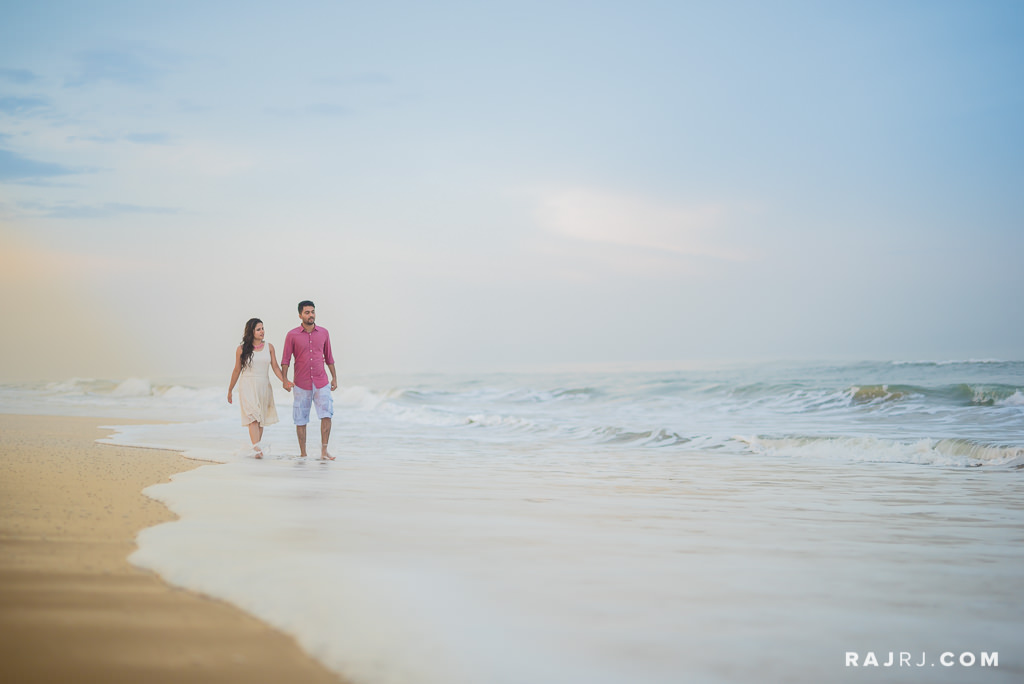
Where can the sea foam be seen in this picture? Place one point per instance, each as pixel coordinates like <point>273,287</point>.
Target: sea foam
<point>432,558</point>
<point>601,527</point>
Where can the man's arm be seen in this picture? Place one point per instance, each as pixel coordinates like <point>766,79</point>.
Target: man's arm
<point>286,358</point>
<point>329,360</point>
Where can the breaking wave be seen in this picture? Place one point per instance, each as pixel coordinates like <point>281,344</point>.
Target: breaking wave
<point>956,413</point>
<point>943,452</point>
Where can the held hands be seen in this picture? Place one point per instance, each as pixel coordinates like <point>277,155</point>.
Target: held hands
<point>288,385</point>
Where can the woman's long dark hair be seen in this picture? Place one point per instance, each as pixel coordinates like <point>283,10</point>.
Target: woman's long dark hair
<point>249,340</point>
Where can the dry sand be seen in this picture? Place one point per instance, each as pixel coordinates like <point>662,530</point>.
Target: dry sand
<point>73,609</point>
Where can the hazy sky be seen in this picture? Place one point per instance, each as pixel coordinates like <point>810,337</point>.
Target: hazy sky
<point>495,184</point>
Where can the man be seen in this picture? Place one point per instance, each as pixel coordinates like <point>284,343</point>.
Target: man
<point>311,347</point>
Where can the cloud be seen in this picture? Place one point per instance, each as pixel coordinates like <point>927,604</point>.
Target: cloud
<point>638,222</point>
<point>70,210</point>
<point>327,109</point>
<point>372,79</point>
<point>380,83</point>
<point>79,291</point>
<point>15,168</point>
<point>20,261</point>
<point>191,107</point>
<point>93,138</point>
<point>150,138</point>
<point>20,76</point>
<point>23,106</point>
<point>201,158</point>
<point>137,138</point>
<point>135,66</point>
<point>317,109</point>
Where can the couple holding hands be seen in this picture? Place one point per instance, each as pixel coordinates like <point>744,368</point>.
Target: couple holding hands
<point>310,346</point>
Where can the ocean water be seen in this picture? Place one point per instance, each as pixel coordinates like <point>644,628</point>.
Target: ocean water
<point>749,522</point>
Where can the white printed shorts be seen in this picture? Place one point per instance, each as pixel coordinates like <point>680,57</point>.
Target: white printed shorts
<point>304,399</point>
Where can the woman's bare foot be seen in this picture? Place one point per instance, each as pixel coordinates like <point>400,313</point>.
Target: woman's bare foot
<point>257,452</point>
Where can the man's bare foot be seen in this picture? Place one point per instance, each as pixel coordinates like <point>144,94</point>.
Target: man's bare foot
<point>324,456</point>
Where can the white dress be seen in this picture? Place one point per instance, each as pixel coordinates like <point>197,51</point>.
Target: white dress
<point>255,395</point>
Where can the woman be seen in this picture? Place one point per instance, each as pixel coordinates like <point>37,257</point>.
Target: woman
<point>253,358</point>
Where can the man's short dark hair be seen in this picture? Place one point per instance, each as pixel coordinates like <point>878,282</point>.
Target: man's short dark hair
<point>304,303</point>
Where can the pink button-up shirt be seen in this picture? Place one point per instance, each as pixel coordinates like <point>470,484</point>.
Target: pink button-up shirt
<point>311,351</point>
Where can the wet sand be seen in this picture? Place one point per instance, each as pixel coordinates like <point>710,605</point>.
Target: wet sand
<point>73,609</point>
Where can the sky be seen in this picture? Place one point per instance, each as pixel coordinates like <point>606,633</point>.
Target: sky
<point>496,185</point>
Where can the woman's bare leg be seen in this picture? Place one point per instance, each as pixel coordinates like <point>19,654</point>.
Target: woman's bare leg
<point>256,435</point>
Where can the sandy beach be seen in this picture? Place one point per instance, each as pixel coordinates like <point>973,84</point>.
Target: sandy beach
<point>72,608</point>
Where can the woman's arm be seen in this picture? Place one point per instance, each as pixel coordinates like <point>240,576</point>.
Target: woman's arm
<point>234,373</point>
<point>277,369</point>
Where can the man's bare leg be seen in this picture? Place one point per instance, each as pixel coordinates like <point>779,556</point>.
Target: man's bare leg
<point>325,436</point>
<point>300,432</point>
